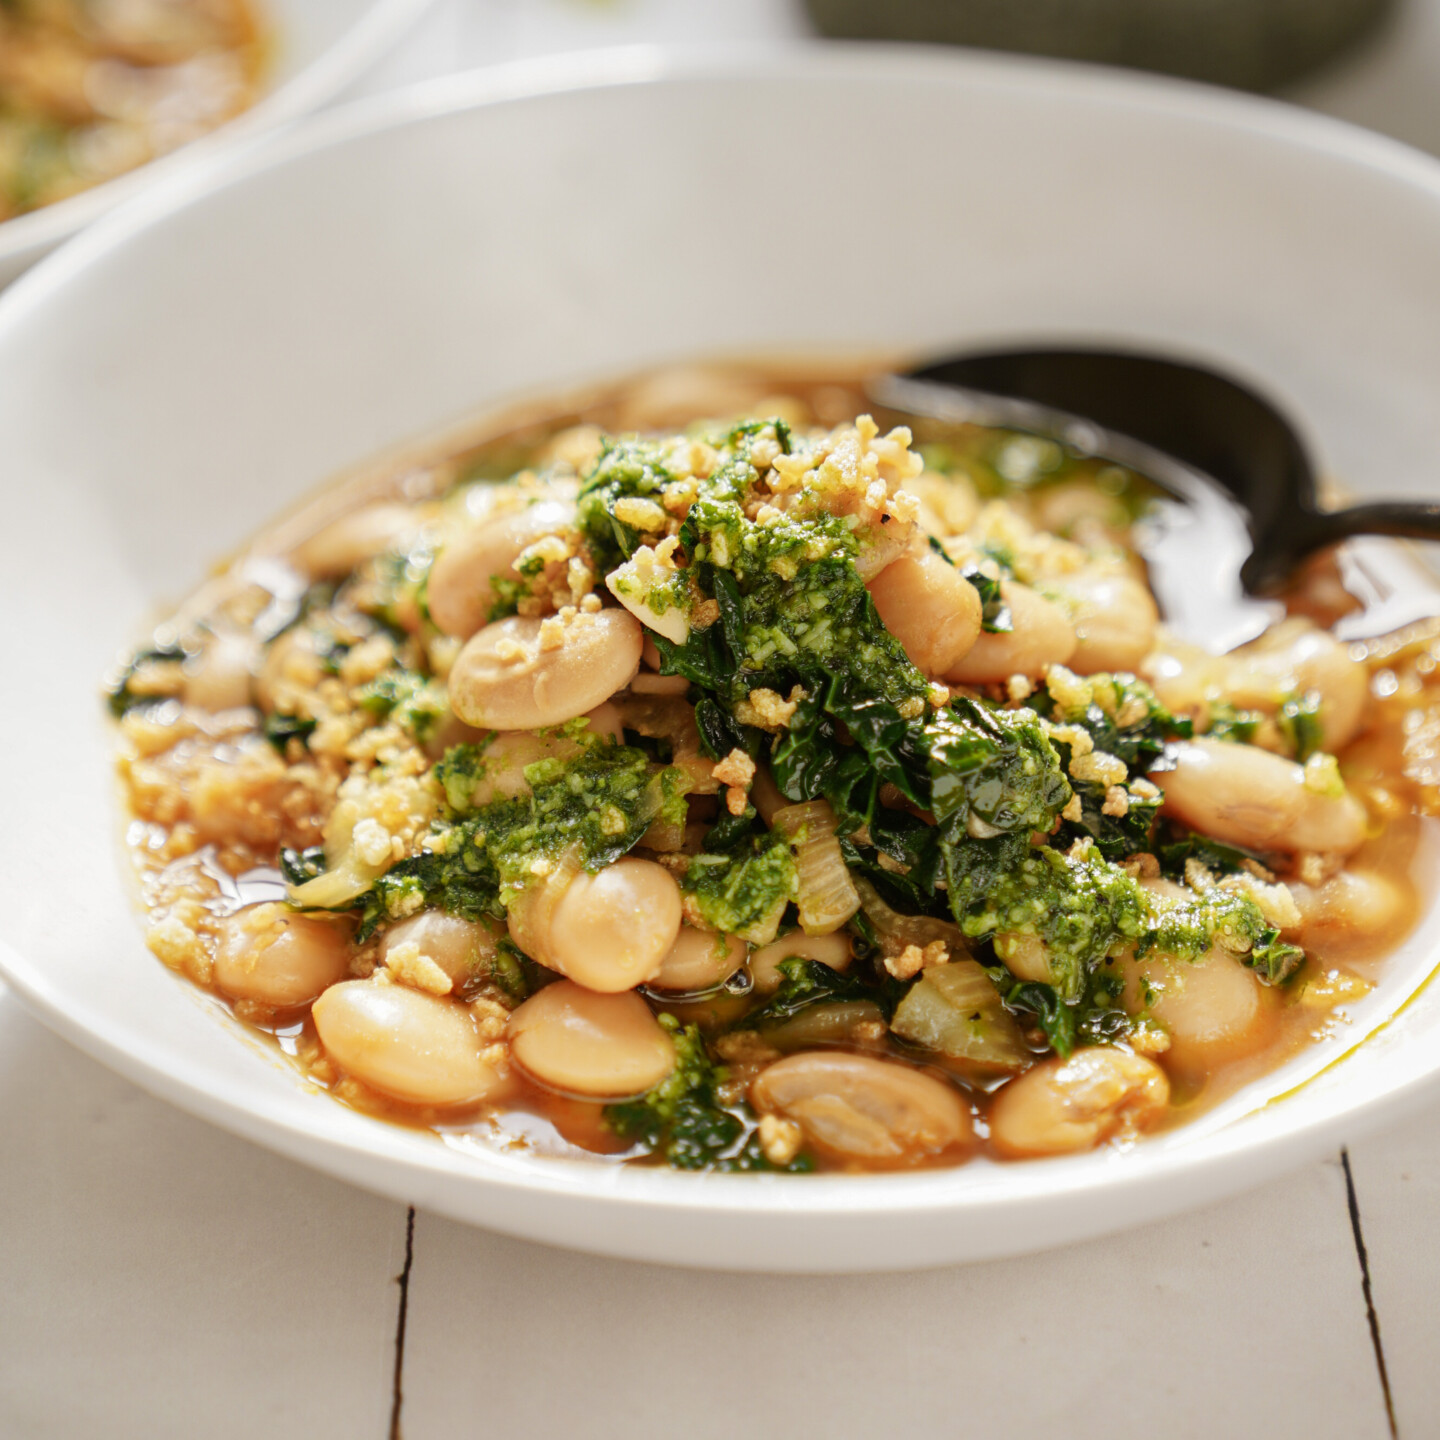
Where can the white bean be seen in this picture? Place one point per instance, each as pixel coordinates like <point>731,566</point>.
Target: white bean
<point>411,1046</point>
<point>834,950</point>
<point>344,544</point>
<point>1245,796</point>
<point>609,932</point>
<point>1114,616</point>
<point>1041,636</point>
<point>507,679</point>
<point>462,948</point>
<point>222,676</point>
<point>1295,658</point>
<point>700,960</point>
<point>929,607</point>
<point>1354,912</point>
<point>1062,1106</point>
<point>1214,1008</point>
<point>1026,956</point>
<point>460,591</point>
<point>860,1108</point>
<point>269,954</point>
<point>599,1047</point>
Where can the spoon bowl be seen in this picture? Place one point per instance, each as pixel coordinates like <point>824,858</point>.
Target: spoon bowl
<point>1215,444</point>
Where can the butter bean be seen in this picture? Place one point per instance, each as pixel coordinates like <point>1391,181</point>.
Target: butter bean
<point>461,591</point>
<point>592,1046</point>
<point>700,960</point>
<point>929,607</point>
<point>1063,1106</point>
<point>609,932</point>
<point>1042,636</point>
<point>859,1108</point>
<point>506,679</point>
<point>344,544</point>
<point>411,1046</point>
<point>269,954</point>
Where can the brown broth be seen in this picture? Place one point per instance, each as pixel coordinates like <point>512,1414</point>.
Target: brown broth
<point>1394,766</point>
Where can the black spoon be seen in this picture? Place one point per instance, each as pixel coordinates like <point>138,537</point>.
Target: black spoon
<point>1209,440</point>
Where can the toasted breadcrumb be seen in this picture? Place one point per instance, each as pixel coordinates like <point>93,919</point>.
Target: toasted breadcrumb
<point>766,709</point>
<point>780,1139</point>
<point>737,768</point>
<point>912,959</point>
<point>410,966</point>
<point>1117,802</point>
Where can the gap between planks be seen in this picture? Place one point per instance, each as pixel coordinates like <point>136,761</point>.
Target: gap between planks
<point>397,1390</point>
<point>1371,1316</point>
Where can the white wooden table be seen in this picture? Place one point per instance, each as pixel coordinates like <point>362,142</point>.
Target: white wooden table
<point>159,1278</point>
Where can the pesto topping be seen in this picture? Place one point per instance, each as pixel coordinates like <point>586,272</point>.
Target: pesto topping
<point>595,806</point>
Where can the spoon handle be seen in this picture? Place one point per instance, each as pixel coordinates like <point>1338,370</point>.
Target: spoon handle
<point>1406,520</point>
<point>1272,561</point>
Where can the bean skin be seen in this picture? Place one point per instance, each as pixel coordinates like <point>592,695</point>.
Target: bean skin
<point>699,960</point>
<point>506,679</point>
<point>1063,1106</point>
<point>460,591</point>
<point>610,931</point>
<point>270,955</point>
<point>596,1047</point>
<point>414,1047</point>
<point>344,544</point>
<point>856,1107</point>
<point>1245,796</point>
<point>1042,636</point>
<point>929,607</point>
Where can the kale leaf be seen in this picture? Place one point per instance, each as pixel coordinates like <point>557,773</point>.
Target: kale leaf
<point>744,890</point>
<point>682,1120</point>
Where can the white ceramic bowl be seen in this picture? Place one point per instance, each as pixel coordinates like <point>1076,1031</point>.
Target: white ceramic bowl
<point>191,365</point>
<point>322,46</point>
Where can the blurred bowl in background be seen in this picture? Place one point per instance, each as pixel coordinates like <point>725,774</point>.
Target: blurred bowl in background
<point>1252,44</point>
<point>320,47</point>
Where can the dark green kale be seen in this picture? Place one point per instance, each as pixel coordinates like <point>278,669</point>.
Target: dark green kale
<point>1273,960</point>
<point>1176,845</point>
<point>791,610</point>
<point>995,615</point>
<point>1121,715</point>
<point>417,704</point>
<point>594,806</point>
<point>507,971</point>
<point>682,1120</point>
<point>1096,1019</point>
<point>1301,725</point>
<point>808,982</point>
<point>118,694</point>
<point>994,766</point>
<point>298,866</point>
<point>280,729</point>
<point>1229,723</point>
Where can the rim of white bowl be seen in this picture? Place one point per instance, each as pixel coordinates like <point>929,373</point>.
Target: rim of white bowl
<point>1255,1146</point>
<point>357,50</point>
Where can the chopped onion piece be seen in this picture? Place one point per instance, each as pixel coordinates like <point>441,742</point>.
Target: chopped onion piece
<point>957,1012</point>
<point>824,1023</point>
<point>921,930</point>
<point>828,897</point>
